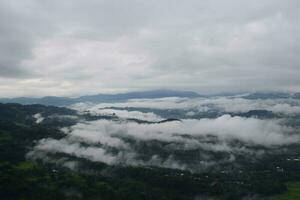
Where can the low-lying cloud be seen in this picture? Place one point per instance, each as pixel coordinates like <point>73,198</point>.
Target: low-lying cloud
<point>126,142</point>
<point>38,118</point>
<point>222,104</point>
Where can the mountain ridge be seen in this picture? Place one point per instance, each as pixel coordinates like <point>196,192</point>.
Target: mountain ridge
<point>99,98</point>
<point>152,94</point>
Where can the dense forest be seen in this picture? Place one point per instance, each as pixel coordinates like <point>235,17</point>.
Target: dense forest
<point>25,178</point>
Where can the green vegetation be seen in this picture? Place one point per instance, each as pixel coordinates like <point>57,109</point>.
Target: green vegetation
<point>21,178</point>
<point>293,193</point>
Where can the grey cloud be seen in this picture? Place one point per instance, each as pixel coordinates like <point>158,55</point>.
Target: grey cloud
<point>206,46</point>
<point>22,25</point>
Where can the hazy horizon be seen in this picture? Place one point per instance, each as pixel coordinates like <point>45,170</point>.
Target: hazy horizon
<point>212,93</point>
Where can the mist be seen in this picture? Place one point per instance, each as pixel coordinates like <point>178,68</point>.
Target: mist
<point>125,142</point>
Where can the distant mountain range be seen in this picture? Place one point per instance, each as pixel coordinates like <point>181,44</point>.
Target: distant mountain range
<point>100,98</point>
<point>65,101</point>
<point>272,95</point>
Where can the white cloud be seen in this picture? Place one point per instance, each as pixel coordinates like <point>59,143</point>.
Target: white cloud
<point>96,154</point>
<point>227,104</point>
<point>125,114</point>
<point>265,132</point>
<point>65,146</point>
<point>38,118</point>
<point>213,135</point>
<point>159,103</point>
<point>285,108</point>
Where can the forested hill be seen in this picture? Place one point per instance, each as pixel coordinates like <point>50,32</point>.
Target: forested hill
<point>13,111</point>
<point>55,177</point>
<point>19,130</point>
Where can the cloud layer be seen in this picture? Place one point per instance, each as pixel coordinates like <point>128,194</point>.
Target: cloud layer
<point>198,141</point>
<point>164,144</point>
<point>234,104</point>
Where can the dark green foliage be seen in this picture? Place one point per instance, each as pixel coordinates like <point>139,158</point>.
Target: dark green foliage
<point>24,179</point>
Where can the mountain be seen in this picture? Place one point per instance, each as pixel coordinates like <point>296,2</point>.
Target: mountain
<point>138,95</point>
<point>49,100</point>
<point>270,95</point>
<point>65,101</point>
<point>120,97</point>
<point>33,164</point>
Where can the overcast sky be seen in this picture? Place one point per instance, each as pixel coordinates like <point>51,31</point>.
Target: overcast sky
<point>76,47</point>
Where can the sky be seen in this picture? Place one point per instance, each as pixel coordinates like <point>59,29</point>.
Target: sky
<point>75,47</point>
